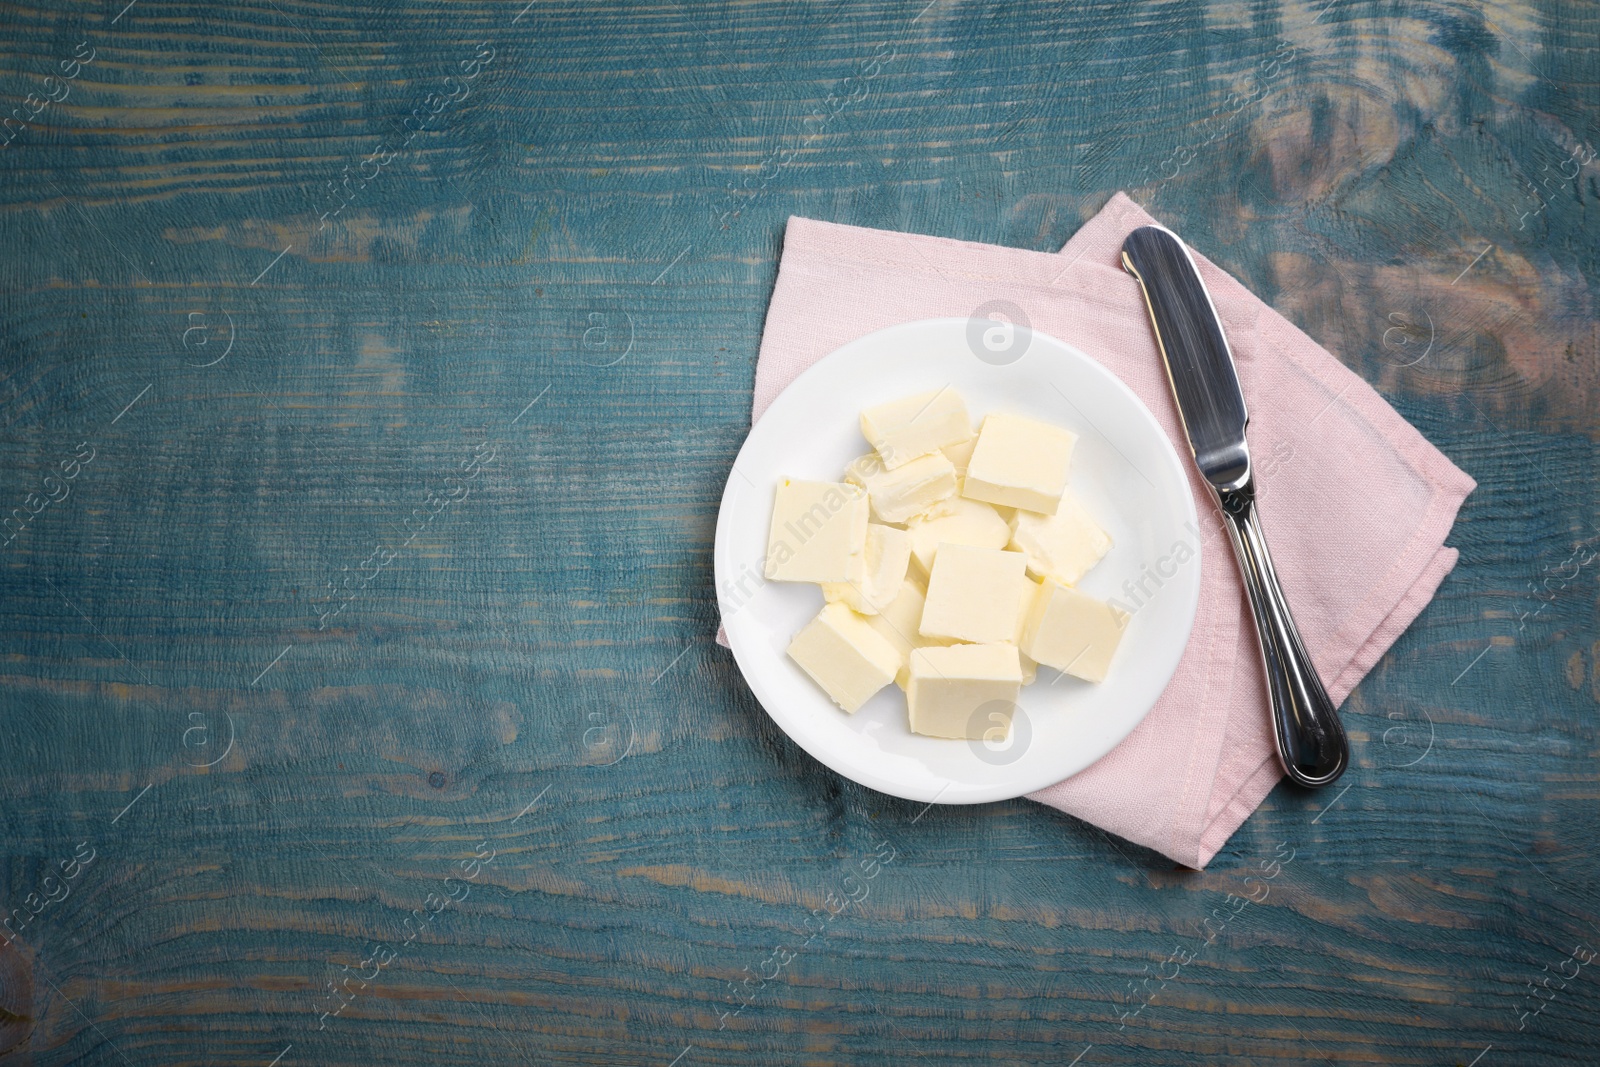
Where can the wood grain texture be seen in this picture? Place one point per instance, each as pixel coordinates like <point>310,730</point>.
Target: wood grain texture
<point>332,612</point>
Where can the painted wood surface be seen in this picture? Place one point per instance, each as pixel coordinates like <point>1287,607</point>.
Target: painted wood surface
<point>370,374</point>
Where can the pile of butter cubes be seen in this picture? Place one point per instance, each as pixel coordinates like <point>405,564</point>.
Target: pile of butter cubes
<point>947,560</point>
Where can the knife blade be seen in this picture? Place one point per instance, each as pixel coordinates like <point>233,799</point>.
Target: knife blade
<point>1205,385</point>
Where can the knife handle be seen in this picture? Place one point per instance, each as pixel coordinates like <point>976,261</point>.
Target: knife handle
<point>1311,741</point>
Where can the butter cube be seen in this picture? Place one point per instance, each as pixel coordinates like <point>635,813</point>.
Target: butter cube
<point>1030,590</point>
<point>961,454</point>
<point>900,624</point>
<point>818,534</point>
<point>847,657</point>
<point>887,555</point>
<point>965,691</point>
<point>1019,462</point>
<point>907,490</point>
<point>1062,546</point>
<point>902,430</point>
<point>955,521</point>
<point>1073,633</point>
<point>974,594</point>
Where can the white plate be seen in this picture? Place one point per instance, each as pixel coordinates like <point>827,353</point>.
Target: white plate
<point>1123,468</point>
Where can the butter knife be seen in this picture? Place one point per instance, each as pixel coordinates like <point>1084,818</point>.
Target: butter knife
<point>1205,383</point>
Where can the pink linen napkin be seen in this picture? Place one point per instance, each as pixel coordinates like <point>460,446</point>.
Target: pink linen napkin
<point>1356,505</point>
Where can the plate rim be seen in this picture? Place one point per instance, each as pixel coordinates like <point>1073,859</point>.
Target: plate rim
<point>1002,792</point>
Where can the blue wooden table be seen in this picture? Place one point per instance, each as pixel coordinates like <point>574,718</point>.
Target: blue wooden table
<point>370,376</point>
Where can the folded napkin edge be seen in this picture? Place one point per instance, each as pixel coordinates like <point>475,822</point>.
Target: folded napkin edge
<point>843,242</point>
<point>1389,629</point>
<point>1447,484</point>
<point>1245,800</point>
